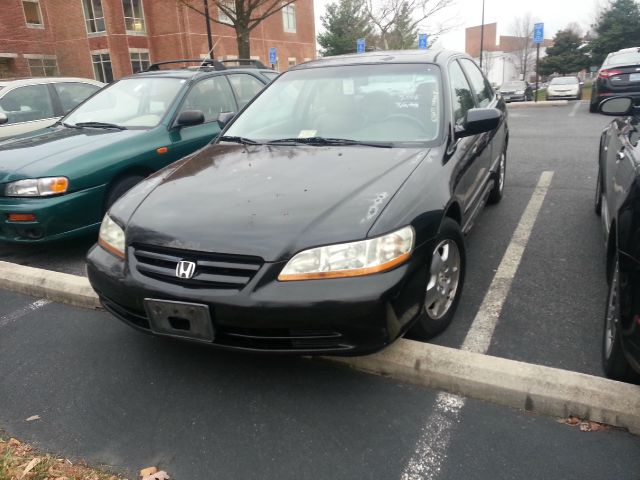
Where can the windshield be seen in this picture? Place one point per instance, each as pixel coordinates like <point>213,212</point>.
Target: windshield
<point>564,81</point>
<point>521,85</point>
<point>364,103</point>
<point>631,58</point>
<point>132,102</point>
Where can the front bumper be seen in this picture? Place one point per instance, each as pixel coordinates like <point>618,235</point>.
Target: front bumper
<point>56,217</point>
<point>347,316</point>
<point>562,96</point>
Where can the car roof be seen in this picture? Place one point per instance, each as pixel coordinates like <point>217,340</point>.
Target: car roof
<point>38,80</point>
<point>192,74</point>
<point>393,56</point>
<point>626,50</point>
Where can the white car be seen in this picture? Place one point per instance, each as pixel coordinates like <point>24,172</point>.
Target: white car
<point>564,87</point>
<point>34,103</point>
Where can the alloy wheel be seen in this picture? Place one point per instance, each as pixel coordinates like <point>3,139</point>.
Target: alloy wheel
<point>444,278</point>
<point>502,174</point>
<point>612,314</point>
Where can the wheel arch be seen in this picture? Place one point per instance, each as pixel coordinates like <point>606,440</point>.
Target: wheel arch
<point>454,212</point>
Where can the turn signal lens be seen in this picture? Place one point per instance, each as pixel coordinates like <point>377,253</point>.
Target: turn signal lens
<point>21,217</point>
<point>37,187</point>
<point>352,259</point>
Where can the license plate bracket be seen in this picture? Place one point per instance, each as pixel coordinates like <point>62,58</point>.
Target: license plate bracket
<point>180,319</point>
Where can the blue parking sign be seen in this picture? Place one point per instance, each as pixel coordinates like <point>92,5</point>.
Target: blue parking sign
<point>422,40</point>
<point>538,33</point>
<point>360,45</point>
<point>273,56</point>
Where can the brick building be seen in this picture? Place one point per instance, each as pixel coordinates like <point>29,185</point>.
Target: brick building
<point>108,39</point>
<point>493,43</point>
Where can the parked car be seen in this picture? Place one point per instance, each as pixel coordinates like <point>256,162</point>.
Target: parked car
<point>564,88</point>
<point>617,193</point>
<point>619,75</point>
<point>328,217</point>
<point>33,103</point>
<point>59,182</point>
<point>516,91</point>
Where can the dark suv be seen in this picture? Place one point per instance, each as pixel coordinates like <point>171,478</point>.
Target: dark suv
<point>619,75</point>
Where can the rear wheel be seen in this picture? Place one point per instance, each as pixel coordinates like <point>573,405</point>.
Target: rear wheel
<point>498,187</point>
<point>445,278</point>
<point>593,105</point>
<point>121,187</point>
<point>616,365</point>
<point>598,198</point>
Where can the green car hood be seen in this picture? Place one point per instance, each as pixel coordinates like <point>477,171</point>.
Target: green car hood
<point>46,152</point>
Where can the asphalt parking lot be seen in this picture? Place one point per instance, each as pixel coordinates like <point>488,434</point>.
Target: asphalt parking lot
<point>113,396</point>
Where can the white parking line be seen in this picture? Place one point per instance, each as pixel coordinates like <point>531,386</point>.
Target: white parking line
<point>10,317</point>
<point>575,108</point>
<point>431,450</point>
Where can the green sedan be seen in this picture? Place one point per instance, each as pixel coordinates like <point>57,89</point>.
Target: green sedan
<point>58,182</point>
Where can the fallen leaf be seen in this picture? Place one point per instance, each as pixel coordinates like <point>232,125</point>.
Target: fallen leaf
<point>585,427</point>
<point>29,467</point>
<point>161,475</point>
<point>14,443</point>
<point>32,418</point>
<point>573,420</point>
<point>145,472</point>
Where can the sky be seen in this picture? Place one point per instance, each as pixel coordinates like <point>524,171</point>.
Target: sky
<point>555,14</point>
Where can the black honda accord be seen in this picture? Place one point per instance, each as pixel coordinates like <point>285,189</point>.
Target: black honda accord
<point>328,217</point>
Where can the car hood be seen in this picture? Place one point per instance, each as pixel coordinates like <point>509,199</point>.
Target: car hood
<point>271,201</point>
<point>41,152</point>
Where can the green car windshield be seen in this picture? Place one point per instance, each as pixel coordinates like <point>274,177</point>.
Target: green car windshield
<point>388,103</point>
<point>131,103</point>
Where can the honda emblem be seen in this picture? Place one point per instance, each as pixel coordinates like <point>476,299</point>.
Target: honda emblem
<point>185,269</point>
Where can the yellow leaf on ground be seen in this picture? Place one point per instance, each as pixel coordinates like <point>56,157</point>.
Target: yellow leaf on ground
<point>29,467</point>
<point>145,472</point>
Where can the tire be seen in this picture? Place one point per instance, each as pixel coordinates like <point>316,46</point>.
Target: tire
<point>597,203</point>
<point>498,187</point>
<point>119,188</point>
<point>593,105</point>
<point>615,364</point>
<point>444,282</point>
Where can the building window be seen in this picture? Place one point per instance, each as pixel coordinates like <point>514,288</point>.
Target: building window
<point>292,62</point>
<point>139,60</point>
<point>133,16</point>
<point>229,5</point>
<point>93,15</point>
<point>43,67</point>
<point>32,13</point>
<point>289,18</point>
<point>102,67</point>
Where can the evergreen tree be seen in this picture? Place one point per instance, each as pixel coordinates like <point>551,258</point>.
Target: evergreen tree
<point>344,22</point>
<point>566,56</point>
<point>617,27</point>
<point>404,34</point>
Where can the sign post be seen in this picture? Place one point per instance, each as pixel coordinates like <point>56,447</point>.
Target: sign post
<point>360,45</point>
<point>273,57</point>
<point>538,37</point>
<point>422,41</point>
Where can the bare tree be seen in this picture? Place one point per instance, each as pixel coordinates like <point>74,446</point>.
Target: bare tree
<point>386,14</point>
<point>242,15</point>
<point>524,54</point>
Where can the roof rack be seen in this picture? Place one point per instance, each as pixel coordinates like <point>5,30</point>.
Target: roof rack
<point>207,63</point>
<point>242,62</point>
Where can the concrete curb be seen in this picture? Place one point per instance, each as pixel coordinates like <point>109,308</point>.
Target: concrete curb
<point>59,287</point>
<point>550,103</point>
<point>545,390</point>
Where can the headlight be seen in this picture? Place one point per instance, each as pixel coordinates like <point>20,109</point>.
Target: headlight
<point>111,237</point>
<point>351,259</point>
<point>519,92</point>
<point>37,187</point>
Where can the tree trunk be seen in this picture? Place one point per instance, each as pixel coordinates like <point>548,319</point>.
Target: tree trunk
<point>244,45</point>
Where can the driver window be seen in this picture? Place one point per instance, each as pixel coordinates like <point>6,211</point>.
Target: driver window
<point>462,99</point>
<point>212,96</point>
<point>26,104</point>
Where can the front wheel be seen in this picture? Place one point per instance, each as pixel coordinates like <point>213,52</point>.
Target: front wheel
<point>616,366</point>
<point>445,278</point>
<point>598,198</point>
<point>498,186</point>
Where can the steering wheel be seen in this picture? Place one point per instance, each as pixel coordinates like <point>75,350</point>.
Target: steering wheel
<point>406,118</point>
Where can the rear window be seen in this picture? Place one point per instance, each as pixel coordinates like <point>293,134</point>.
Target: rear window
<point>631,58</point>
<point>514,85</point>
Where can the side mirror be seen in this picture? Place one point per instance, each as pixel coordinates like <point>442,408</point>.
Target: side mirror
<point>3,118</point>
<point>189,118</point>
<point>616,106</point>
<point>224,118</point>
<point>479,120</point>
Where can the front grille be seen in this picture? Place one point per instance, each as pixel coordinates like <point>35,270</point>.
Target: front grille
<point>213,270</point>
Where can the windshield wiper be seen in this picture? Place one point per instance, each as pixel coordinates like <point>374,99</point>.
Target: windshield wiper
<point>242,140</point>
<point>328,141</point>
<point>100,125</point>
